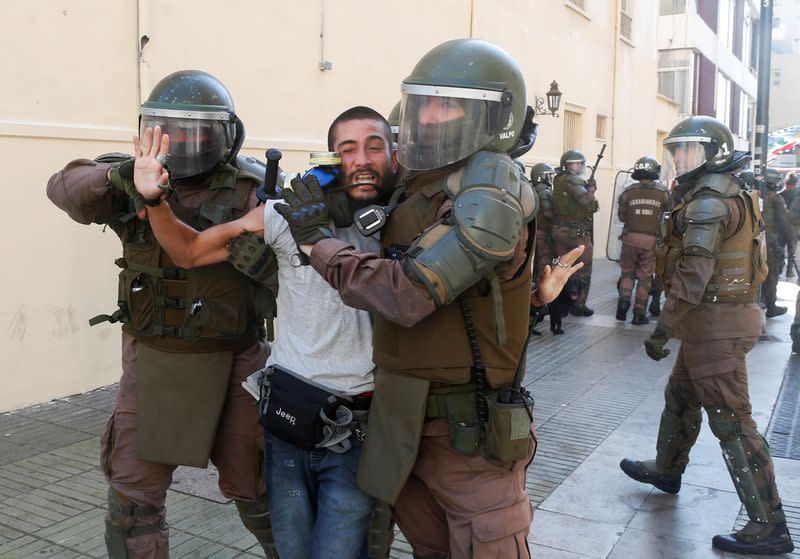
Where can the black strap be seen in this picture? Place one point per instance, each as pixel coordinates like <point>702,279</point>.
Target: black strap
<point>478,370</point>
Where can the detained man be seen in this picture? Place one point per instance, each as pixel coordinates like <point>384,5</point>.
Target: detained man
<point>320,370</point>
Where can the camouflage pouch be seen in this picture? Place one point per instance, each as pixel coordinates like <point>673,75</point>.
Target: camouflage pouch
<point>508,430</point>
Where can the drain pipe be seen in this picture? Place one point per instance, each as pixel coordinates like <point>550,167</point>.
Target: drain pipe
<point>142,38</point>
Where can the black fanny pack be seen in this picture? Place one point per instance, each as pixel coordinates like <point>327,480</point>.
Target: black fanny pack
<point>302,412</point>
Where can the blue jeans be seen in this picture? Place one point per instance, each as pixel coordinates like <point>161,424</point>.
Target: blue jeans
<point>316,509</point>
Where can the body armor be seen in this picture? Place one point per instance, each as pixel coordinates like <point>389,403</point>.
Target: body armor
<point>740,259</point>
<point>774,218</point>
<point>170,308</point>
<point>642,208</point>
<point>566,191</point>
<point>419,351</point>
<point>544,219</point>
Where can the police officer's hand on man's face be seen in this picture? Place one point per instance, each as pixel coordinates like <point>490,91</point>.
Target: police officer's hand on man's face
<point>555,277</point>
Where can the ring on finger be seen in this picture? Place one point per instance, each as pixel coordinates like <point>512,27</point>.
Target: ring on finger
<point>557,262</point>
<point>162,159</point>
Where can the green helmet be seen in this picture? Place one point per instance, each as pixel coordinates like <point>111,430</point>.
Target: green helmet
<point>463,96</point>
<point>748,177</point>
<point>542,172</point>
<point>394,121</point>
<point>773,180</point>
<point>573,161</point>
<point>699,142</point>
<point>197,112</point>
<point>646,167</point>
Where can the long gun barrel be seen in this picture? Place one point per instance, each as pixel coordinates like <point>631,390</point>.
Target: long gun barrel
<point>597,163</point>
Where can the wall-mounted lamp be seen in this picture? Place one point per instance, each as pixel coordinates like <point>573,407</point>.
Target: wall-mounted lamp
<point>553,100</point>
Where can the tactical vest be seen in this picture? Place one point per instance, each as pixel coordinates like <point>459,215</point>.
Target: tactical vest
<point>774,233</point>
<point>643,208</point>
<point>545,194</point>
<point>437,348</point>
<point>567,208</point>
<point>205,309</point>
<point>740,262</point>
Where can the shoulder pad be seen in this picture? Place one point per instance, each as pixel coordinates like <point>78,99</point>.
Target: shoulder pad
<point>707,209</point>
<point>486,169</point>
<point>250,167</point>
<point>113,157</point>
<point>724,184</point>
<point>575,179</point>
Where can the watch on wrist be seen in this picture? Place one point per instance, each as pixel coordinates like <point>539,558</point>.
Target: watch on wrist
<point>152,203</point>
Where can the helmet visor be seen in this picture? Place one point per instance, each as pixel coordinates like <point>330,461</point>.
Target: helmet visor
<point>442,125</point>
<point>195,145</point>
<point>682,157</point>
<point>577,168</point>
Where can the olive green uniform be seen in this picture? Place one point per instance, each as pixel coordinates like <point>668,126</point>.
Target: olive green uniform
<point>189,338</point>
<point>545,246</point>
<point>712,263</point>
<point>574,205</point>
<point>640,208</point>
<point>779,236</point>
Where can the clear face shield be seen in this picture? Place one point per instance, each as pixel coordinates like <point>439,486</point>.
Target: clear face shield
<point>682,157</point>
<point>576,168</point>
<point>197,140</point>
<point>442,125</point>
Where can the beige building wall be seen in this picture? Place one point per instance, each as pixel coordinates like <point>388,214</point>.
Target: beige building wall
<point>78,78</point>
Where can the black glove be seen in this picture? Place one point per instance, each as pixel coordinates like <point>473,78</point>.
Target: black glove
<point>306,211</point>
<point>591,184</point>
<point>654,345</point>
<point>122,181</point>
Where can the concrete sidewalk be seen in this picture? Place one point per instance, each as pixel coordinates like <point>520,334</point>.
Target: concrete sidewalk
<point>598,399</point>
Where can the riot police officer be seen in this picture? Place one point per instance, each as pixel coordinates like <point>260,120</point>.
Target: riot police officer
<point>542,179</point>
<point>779,237</point>
<point>712,264</point>
<point>574,204</point>
<point>640,208</point>
<point>463,495</point>
<point>189,337</point>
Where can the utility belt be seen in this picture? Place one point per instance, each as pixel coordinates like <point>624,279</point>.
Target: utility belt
<point>304,413</point>
<point>576,228</point>
<point>506,431</point>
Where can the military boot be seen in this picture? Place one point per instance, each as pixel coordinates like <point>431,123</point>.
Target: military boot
<point>646,472</point>
<point>746,455</point>
<point>623,304</point>
<point>581,310</point>
<point>655,304</point>
<point>639,318</point>
<point>774,310</point>
<point>794,332</point>
<point>756,539</point>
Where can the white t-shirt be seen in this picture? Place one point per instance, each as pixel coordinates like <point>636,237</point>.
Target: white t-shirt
<point>318,336</point>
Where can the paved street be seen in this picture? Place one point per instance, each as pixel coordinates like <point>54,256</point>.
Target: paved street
<point>598,399</point>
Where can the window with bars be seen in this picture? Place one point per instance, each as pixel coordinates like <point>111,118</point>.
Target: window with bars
<point>626,18</point>
<point>572,130</point>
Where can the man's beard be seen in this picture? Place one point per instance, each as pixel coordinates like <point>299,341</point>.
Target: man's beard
<point>382,183</point>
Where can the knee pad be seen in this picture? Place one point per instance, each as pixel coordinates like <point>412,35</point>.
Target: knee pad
<point>255,517</point>
<point>121,523</point>
<point>680,397</point>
